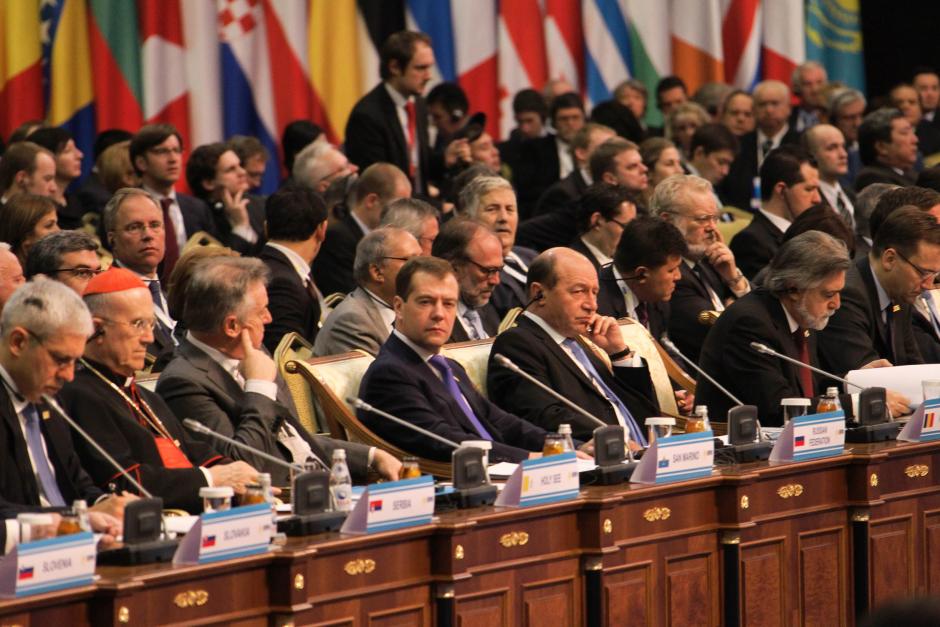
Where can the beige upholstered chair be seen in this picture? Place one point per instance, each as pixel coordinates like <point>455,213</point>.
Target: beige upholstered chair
<point>742,218</point>
<point>473,356</point>
<point>638,338</point>
<point>334,378</point>
<point>293,347</point>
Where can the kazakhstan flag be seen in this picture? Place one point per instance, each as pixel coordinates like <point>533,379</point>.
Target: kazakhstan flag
<point>834,38</point>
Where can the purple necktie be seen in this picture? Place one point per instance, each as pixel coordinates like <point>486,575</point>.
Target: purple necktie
<point>440,363</point>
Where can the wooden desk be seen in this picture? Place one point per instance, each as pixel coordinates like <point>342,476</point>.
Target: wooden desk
<point>758,544</point>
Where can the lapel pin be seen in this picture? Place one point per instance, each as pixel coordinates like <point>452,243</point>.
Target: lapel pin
<point>896,309</point>
<point>45,414</point>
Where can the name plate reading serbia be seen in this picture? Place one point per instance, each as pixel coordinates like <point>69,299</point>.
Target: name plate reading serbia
<point>218,536</point>
<point>392,505</point>
<point>47,565</point>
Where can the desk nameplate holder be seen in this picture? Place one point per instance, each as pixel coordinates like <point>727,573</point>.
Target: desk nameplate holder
<point>392,505</point>
<point>677,458</point>
<point>543,480</point>
<point>47,565</point>
<point>811,437</point>
<point>924,425</point>
<point>218,536</point>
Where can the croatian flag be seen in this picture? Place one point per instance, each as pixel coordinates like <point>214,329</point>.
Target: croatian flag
<point>375,506</point>
<point>208,541</point>
<point>799,441</point>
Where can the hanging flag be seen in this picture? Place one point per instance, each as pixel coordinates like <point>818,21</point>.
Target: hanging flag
<point>163,63</point>
<point>834,38</point>
<point>115,53</point>
<point>784,43</point>
<point>433,17</point>
<point>21,92</point>
<point>202,73</point>
<point>650,48</point>
<point>522,61</point>
<point>697,54</point>
<point>564,41</point>
<point>607,53</point>
<point>67,58</point>
<point>740,36</point>
<point>474,25</point>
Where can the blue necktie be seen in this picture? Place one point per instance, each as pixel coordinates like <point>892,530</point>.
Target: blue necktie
<point>472,316</point>
<point>440,363</point>
<point>155,293</point>
<point>636,434</point>
<point>932,311</point>
<point>34,441</point>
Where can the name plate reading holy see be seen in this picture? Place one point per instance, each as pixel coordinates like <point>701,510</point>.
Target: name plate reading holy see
<point>543,480</point>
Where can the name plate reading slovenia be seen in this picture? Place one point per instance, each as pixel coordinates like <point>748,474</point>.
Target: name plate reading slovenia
<point>218,536</point>
<point>392,505</point>
<point>47,565</point>
<point>811,437</point>
<point>543,480</point>
<point>676,458</point>
<point>924,425</point>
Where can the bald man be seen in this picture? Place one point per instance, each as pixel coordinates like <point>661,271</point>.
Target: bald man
<point>11,274</point>
<point>827,146</point>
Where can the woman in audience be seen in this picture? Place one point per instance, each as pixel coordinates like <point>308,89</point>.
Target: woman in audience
<point>682,124</point>
<point>115,169</point>
<point>68,168</point>
<point>662,160</point>
<point>27,218</point>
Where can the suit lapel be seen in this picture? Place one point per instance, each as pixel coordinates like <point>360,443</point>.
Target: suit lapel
<point>371,309</point>
<point>19,446</point>
<point>562,357</point>
<point>391,114</point>
<point>222,380</point>
<point>868,280</point>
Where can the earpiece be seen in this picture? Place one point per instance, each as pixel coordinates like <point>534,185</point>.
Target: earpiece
<point>539,296</point>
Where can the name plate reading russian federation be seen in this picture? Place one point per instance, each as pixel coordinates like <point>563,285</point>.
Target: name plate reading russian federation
<point>543,480</point>
<point>676,458</point>
<point>810,437</point>
<point>392,505</point>
<point>218,536</point>
<point>47,565</point>
<point>924,425</point>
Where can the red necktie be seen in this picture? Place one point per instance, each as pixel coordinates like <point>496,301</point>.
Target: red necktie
<point>171,253</point>
<point>412,132</point>
<point>806,375</point>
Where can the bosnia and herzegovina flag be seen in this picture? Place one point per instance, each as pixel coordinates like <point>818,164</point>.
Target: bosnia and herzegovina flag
<point>21,95</point>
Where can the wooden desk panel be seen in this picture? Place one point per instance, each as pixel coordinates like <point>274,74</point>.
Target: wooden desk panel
<point>64,608</point>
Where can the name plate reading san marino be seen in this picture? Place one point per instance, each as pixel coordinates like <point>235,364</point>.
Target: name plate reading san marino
<point>392,505</point>
<point>543,480</point>
<point>47,565</point>
<point>218,536</point>
<point>924,425</point>
<point>811,437</point>
<point>676,458</point>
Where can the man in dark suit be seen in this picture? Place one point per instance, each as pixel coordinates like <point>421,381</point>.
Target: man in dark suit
<point>826,145</point>
<point>133,224</point>
<point>808,82</point>
<point>222,378</point>
<point>476,256</point>
<point>379,184</point>
<point>134,425</point>
<point>927,83</point>
<point>530,112</point>
<point>846,108</point>
<point>45,327</point>
<point>562,341</point>
<point>390,123</point>
<point>874,323</point>
<point>801,293</point>
<point>887,145</point>
<point>789,185</point>
<point>771,111</point>
<point>296,229</point>
<point>603,213</point>
<point>156,152</point>
<point>364,318</point>
<point>412,380</point>
<point>560,195</point>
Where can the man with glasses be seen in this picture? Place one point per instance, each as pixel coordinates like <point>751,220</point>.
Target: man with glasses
<point>604,211</point>
<point>873,326</point>
<point>364,319</point>
<point>156,152</point>
<point>710,278</point>
<point>69,257</point>
<point>476,255</point>
<point>132,424</point>
<point>296,223</point>
<point>133,223</point>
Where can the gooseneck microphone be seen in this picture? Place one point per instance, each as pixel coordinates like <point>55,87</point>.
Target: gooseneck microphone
<point>51,402</point>
<point>358,403</point>
<point>198,427</point>
<point>665,341</point>
<point>766,350</point>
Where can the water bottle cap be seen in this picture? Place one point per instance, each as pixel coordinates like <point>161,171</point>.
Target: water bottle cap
<point>564,429</point>
<point>339,454</point>
<point>834,391</point>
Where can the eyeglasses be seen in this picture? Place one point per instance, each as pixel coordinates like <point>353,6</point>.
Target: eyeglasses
<point>622,225</point>
<point>923,272</point>
<point>140,325</point>
<point>80,272</point>
<point>164,151</point>
<point>700,220</point>
<point>139,228</point>
<point>60,360</point>
<point>488,271</point>
<point>398,258</point>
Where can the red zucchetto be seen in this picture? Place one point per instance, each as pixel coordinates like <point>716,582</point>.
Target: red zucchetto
<point>112,280</point>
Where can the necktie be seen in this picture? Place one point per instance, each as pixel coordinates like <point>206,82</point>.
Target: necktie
<point>889,330</point>
<point>155,294</point>
<point>642,315</point>
<point>766,146</point>
<point>699,272</point>
<point>34,441</point>
<point>472,316</point>
<point>311,288</point>
<point>636,434</point>
<point>931,310</point>
<point>843,209</point>
<point>514,267</point>
<point>171,253</point>
<point>412,132</point>
<point>447,375</point>
<point>806,375</point>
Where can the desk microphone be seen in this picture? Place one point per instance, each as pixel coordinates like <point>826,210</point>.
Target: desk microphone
<point>358,403</point>
<point>198,427</point>
<point>763,348</point>
<point>51,402</point>
<point>665,341</point>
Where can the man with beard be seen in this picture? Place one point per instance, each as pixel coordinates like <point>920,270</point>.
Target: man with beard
<point>801,292</point>
<point>710,279</point>
<point>476,255</point>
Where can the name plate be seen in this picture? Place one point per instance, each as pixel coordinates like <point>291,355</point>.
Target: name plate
<point>218,536</point>
<point>811,437</point>
<point>924,425</point>
<point>676,458</point>
<point>543,480</point>
<point>47,565</point>
<point>392,505</point>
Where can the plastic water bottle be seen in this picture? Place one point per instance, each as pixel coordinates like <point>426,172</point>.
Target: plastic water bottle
<point>340,482</point>
<point>564,430</point>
